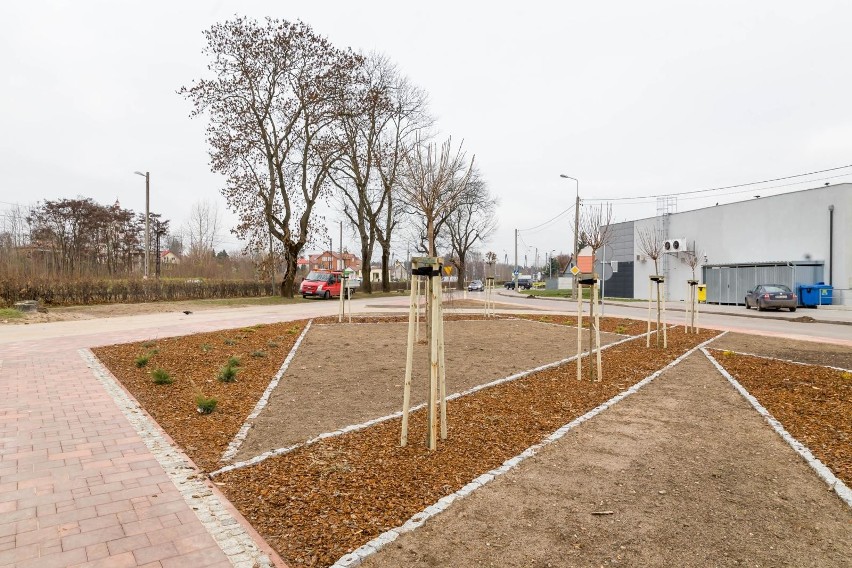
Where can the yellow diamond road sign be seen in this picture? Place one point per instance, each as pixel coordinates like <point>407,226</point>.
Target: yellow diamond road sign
<point>448,270</point>
<point>575,271</point>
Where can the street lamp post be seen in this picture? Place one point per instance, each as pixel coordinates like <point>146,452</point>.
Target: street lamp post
<point>147,176</point>
<point>576,232</point>
<point>550,265</point>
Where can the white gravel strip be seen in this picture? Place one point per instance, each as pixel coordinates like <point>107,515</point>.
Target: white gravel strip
<point>231,537</point>
<point>820,468</point>
<point>358,555</point>
<point>234,445</point>
<point>841,369</point>
<point>281,451</point>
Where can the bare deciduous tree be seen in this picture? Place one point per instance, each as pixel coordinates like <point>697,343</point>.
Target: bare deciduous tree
<point>272,105</point>
<point>473,220</point>
<point>203,230</point>
<point>596,228</point>
<point>652,245</point>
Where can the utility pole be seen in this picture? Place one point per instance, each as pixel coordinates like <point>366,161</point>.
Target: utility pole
<point>341,247</point>
<point>515,268</point>
<point>576,238</point>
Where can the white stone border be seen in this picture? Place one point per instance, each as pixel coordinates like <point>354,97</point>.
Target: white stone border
<point>820,468</point>
<point>841,369</point>
<point>234,445</point>
<point>286,450</point>
<point>357,556</point>
<point>228,533</point>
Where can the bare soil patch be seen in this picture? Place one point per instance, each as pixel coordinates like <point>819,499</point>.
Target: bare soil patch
<point>813,403</point>
<point>802,351</point>
<point>320,501</point>
<point>346,374</point>
<point>693,477</point>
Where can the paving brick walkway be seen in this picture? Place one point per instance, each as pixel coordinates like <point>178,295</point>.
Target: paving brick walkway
<point>78,486</point>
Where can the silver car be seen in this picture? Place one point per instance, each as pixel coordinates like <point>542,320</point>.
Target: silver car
<point>776,296</point>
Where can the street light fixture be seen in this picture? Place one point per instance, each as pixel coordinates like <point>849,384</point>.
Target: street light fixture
<point>576,232</point>
<point>550,264</point>
<point>147,176</point>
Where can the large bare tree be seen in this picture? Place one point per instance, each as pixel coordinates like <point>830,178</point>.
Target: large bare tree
<point>203,229</point>
<point>473,220</point>
<point>272,104</point>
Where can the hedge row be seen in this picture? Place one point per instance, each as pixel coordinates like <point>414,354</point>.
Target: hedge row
<point>87,292</point>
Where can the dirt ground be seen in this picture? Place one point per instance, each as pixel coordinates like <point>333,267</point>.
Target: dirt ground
<point>801,351</point>
<point>324,390</point>
<point>77,313</point>
<point>691,474</point>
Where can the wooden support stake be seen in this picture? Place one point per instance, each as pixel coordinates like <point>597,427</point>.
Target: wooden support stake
<point>434,288</point>
<point>696,310</point>
<point>409,360</point>
<point>579,331</point>
<point>650,303</point>
<point>662,292</point>
<point>417,316</point>
<point>442,371</point>
<point>597,333</point>
<point>341,308</point>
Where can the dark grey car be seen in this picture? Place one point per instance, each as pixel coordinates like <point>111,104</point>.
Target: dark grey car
<point>776,296</point>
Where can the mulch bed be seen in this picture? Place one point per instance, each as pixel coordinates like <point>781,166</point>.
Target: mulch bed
<point>623,326</point>
<point>813,403</point>
<point>321,501</point>
<point>193,362</point>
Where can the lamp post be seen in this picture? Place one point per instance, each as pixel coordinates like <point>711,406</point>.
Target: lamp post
<point>550,265</point>
<point>576,232</point>
<point>147,176</point>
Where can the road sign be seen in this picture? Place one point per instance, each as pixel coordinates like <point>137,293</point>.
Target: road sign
<point>515,273</point>
<point>448,270</point>
<point>604,269</point>
<point>575,271</point>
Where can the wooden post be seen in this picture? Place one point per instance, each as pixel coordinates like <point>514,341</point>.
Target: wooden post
<point>442,370</point>
<point>662,292</point>
<point>697,303</point>
<point>417,316</point>
<point>409,360</point>
<point>434,291</point>
<point>650,303</point>
<point>591,330</point>
<point>579,331</point>
<point>597,332</point>
<point>341,308</point>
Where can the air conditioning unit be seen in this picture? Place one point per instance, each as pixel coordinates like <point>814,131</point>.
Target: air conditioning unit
<point>675,245</point>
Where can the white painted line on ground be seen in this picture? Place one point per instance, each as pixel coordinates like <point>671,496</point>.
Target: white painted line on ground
<point>358,555</point>
<point>841,369</point>
<point>820,468</point>
<point>234,445</point>
<point>228,533</point>
<point>281,451</point>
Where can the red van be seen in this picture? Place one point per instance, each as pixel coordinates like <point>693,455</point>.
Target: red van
<point>323,284</point>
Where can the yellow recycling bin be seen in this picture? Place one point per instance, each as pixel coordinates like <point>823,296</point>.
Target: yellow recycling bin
<point>702,293</point>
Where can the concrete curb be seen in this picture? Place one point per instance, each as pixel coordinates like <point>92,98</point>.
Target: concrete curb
<point>228,533</point>
<point>237,442</point>
<point>357,556</point>
<point>820,468</point>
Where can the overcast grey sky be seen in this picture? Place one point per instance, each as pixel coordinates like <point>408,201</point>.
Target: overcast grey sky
<point>631,98</point>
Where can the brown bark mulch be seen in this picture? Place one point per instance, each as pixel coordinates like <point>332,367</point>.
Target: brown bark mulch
<point>321,501</point>
<point>623,326</point>
<point>813,403</point>
<point>193,362</point>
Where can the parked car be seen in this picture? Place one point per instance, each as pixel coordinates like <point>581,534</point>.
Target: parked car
<point>776,296</point>
<point>524,283</point>
<point>325,284</point>
<point>475,286</point>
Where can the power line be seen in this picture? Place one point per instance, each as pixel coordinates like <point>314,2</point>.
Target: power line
<point>678,193</point>
<point>548,221</point>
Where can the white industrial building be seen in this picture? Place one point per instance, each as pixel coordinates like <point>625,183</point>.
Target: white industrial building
<point>797,238</point>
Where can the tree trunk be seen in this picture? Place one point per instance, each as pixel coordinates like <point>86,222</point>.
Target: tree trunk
<point>461,272</point>
<point>366,285</point>
<point>290,267</point>
<point>385,269</point>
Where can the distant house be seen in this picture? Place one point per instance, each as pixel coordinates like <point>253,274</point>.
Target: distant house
<point>168,257</point>
<point>330,260</point>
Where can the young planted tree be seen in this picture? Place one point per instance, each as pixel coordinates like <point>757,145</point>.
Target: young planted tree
<point>652,245</point>
<point>693,260</point>
<point>272,103</point>
<point>596,227</point>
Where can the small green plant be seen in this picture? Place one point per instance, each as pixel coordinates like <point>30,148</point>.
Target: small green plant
<point>233,361</point>
<point>227,374</point>
<point>258,353</point>
<point>153,351</point>
<point>847,375</point>
<point>161,377</point>
<point>230,342</point>
<point>727,353</point>
<point>273,344</point>
<point>149,344</point>
<point>142,360</point>
<point>293,330</point>
<point>10,313</point>
<point>205,405</point>
<point>206,347</point>
<point>620,329</point>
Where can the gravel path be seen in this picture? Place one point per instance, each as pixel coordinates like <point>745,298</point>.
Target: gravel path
<point>692,474</point>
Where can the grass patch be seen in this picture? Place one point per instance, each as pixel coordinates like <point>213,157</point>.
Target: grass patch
<point>258,354</point>
<point>10,313</point>
<point>142,360</point>
<point>227,374</point>
<point>161,377</point>
<point>230,342</point>
<point>205,405</point>
<point>206,347</point>
<point>293,330</point>
<point>273,344</point>
<point>233,361</point>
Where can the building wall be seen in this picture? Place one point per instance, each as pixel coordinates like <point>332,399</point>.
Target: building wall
<point>620,285</point>
<point>789,227</point>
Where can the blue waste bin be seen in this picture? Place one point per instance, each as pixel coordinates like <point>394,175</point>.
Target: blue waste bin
<point>813,295</point>
<point>825,293</point>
